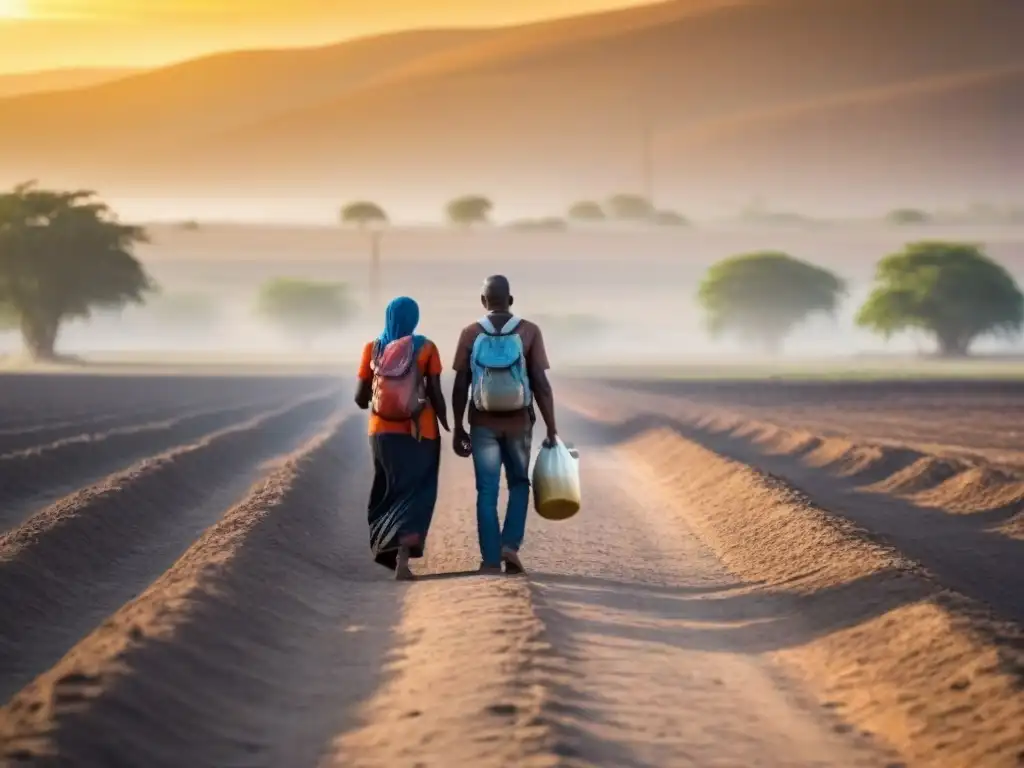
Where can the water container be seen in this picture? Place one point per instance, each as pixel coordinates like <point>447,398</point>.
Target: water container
<point>556,482</point>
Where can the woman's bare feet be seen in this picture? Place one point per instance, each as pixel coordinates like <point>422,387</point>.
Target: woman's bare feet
<point>402,570</point>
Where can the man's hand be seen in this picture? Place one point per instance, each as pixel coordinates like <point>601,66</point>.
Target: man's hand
<point>442,419</point>
<point>552,439</point>
<point>461,442</point>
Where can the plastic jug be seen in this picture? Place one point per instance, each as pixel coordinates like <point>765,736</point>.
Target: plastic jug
<point>556,482</point>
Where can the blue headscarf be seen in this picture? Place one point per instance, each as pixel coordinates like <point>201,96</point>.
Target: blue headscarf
<point>400,320</point>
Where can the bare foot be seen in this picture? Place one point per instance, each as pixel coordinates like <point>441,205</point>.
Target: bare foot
<point>402,570</point>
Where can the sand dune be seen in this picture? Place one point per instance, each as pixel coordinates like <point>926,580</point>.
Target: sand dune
<point>531,107</point>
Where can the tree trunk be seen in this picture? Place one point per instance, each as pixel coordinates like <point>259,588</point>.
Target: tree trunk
<point>39,334</point>
<point>954,345</point>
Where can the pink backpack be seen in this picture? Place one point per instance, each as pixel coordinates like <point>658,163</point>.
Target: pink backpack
<point>398,392</point>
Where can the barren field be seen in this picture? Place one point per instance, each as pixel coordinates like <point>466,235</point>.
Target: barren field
<point>764,574</point>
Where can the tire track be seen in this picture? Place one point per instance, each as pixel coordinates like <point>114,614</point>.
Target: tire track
<point>250,650</point>
<point>39,475</point>
<point>73,562</point>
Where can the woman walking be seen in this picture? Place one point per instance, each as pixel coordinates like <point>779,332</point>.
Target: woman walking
<point>400,382</point>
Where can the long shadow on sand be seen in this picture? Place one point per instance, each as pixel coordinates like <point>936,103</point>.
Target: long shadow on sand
<point>958,549</point>
<point>731,621</point>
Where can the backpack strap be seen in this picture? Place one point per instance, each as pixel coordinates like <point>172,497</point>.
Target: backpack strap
<point>510,325</point>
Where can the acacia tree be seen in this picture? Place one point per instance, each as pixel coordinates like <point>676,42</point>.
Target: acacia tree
<point>586,210</point>
<point>363,214</point>
<point>304,309</point>
<point>762,296</point>
<point>62,256</point>
<point>952,291</point>
<point>468,210</point>
<point>367,215</point>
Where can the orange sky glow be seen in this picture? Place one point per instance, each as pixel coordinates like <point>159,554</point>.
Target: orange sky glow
<point>53,34</point>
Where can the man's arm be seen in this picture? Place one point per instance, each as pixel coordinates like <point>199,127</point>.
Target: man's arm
<point>460,400</point>
<point>460,390</point>
<point>536,367</point>
<point>544,397</point>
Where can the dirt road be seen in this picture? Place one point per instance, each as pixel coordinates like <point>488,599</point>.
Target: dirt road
<point>709,618</point>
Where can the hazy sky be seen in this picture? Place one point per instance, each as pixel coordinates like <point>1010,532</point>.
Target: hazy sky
<point>48,34</point>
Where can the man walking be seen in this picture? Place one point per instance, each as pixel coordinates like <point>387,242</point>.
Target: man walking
<point>500,373</point>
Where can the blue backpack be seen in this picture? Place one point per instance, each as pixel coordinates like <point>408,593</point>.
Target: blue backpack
<point>501,383</point>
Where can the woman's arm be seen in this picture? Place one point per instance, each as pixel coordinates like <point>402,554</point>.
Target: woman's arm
<point>364,393</point>
<point>364,379</point>
<point>436,397</point>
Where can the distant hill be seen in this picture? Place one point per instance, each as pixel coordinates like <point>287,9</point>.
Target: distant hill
<point>213,93</point>
<point>945,140</point>
<point>57,80</point>
<point>815,99</point>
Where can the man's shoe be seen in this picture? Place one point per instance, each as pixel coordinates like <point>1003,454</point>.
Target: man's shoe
<point>513,564</point>
<point>489,570</point>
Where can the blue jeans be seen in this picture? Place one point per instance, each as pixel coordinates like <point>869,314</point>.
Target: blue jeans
<point>491,451</point>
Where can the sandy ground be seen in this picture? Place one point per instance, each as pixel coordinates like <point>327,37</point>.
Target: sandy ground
<point>697,612</point>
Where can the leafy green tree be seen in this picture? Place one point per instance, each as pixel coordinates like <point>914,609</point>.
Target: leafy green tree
<point>363,214</point>
<point>670,219</point>
<point>586,211</point>
<point>907,217</point>
<point>762,296</point>
<point>469,210</point>
<point>952,291</point>
<point>627,207</point>
<point>304,309</point>
<point>62,256</point>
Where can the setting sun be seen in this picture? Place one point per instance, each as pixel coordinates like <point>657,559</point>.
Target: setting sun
<point>13,9</point>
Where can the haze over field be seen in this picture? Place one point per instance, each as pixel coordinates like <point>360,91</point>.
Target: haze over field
<point>779,115</point>
<point>848,106</point>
